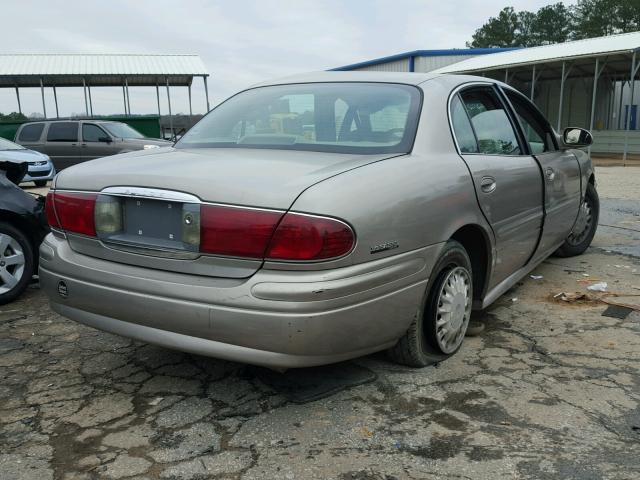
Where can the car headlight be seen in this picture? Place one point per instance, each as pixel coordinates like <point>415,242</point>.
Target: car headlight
<point>147,147</point>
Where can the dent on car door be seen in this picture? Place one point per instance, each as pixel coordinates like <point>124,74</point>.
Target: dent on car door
<point>560,168</point>
<point>507,181</point>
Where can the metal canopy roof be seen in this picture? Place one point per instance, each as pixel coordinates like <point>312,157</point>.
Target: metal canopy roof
<point>616,49</point>
<point>104,70</point>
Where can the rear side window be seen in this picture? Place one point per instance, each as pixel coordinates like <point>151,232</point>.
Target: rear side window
<point>31,132</point>
<point>92,133</point>
<point>490,122</point>
<point>536,129</point>
<point>462,127</point>
<point>63,132</point>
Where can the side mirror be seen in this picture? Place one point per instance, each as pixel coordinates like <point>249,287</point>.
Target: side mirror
<point>577,137</point>
<point>105,139</point>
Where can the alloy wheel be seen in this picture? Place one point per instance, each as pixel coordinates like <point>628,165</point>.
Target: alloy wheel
<point>12,263</point>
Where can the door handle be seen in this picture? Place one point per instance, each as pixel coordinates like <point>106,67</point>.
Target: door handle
<point>488,184</point>
<point>550,173</point>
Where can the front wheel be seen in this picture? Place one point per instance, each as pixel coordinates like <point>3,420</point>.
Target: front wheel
<point>585,227</point>
<point>438,330</point>
<point>16,262</point>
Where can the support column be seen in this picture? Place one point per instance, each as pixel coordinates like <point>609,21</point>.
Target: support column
<point>565,74</point>
<point>124,99</point>
<point>158,98</point>
<point>126,86</point>
<point>506,75</point>
<point>622,83</point>
<point>55,99</point>
<point>206,92</point>
<point>533,83</point>
<point>169,104</point>
<point>596,76</point>
<point>18,97</point>
<point>190,108</point>
<point>44,107</point>
<point>90,100</point>
<point>86,102</point>
<point>634,70</point>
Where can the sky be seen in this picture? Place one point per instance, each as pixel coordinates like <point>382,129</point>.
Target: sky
<point>240,42</point>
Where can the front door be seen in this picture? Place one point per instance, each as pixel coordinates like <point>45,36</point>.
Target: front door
<point>62,144</point>
<point>96,142</point>
<point>561,173</point>
<point>508,181</point>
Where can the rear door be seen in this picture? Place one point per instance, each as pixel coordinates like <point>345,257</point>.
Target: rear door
<point>561,172</point>
<point>62,144</point>
<point>507,180</point>
<point>96,142</point>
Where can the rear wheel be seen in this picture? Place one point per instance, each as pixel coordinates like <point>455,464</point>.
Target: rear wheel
<point>16,262</point>
<point>40,183</point>
<point>438,330</point>
<point>585,227</point>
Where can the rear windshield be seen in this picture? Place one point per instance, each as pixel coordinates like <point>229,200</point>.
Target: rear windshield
<point>326,117</point>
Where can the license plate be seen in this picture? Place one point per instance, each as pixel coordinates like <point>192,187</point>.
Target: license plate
<point>157,224</point>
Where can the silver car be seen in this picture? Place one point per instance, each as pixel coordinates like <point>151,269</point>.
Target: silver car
<point>40,168</point>
<point>322,217</point>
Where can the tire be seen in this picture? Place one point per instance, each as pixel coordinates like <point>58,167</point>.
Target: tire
<point>15,275</point>
<point>40,183</point>
<point>420,346</point>
<point>577,242</point>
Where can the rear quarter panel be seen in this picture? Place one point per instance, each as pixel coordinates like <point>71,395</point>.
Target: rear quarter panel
<point>414,200</point>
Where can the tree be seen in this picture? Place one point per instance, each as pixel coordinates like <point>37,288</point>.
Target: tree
<point>500,31</point>
<point>552,24</point>
<point>558,23</point>
<point>12,117</point>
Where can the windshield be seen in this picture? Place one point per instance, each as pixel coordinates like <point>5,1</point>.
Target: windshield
<point>121,130</point>
<point>326,117</point>
<point>7,145</point>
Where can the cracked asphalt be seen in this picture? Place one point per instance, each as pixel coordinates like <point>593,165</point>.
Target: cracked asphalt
<point>550,390</point>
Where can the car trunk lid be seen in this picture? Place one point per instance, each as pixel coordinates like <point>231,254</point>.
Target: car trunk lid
<point>160,191</point>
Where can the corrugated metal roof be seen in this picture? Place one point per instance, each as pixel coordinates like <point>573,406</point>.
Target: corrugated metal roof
<point>611,45</point>
<point>99,69</point>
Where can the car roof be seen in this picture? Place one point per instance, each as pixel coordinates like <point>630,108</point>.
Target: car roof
<point>61,120</point>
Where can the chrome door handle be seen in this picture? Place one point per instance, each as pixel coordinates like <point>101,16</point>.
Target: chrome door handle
<point>488,184</point>
<point>550,173</point>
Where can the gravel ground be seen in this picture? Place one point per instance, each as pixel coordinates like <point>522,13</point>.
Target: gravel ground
<point>550,390</point>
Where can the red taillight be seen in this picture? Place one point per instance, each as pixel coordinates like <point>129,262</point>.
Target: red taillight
<point>50,211</point>
<point>236,232</point>
<point>72,212</point>
<point>306,237</point>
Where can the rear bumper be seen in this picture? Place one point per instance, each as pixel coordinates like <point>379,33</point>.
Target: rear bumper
<point>282,319</point>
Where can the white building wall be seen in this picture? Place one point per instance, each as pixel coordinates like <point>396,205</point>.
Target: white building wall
<point>421,64</point>
<point>427,64</point>
<point>395,66</point>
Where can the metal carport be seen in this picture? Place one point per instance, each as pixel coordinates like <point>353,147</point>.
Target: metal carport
<point>101,70</point>
<point>602,73</point>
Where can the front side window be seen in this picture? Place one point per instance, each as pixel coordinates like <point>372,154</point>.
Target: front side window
<point>63,132</point>
<point>122,130</point>
<point>490,121</point>
<point>31,132</point>
<point>536,129</point>
<point>326,117</point>
<point>92,133</point>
